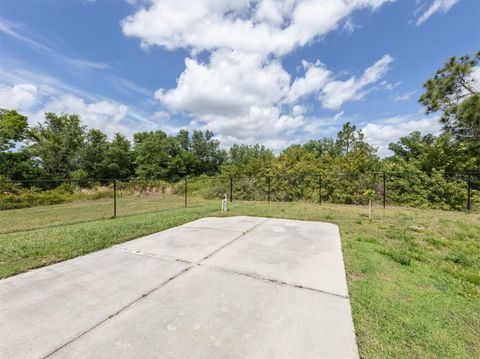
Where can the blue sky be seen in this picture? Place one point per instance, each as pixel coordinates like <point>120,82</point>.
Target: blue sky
<point>267,71</point>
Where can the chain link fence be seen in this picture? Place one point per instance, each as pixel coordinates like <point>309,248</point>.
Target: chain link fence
<point>28,205</point>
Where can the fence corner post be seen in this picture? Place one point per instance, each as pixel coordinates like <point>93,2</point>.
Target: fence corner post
<point>185,191</point>
<point>231,189</point>
<point>114,198</point>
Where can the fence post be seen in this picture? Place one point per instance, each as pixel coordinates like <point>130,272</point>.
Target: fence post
<point>320,190</point>
<point>384,190</point>
<point>231,189</point>
<point>469,189</point>
<point>114,198</point>
<point>268,193</point>
<point>185,191</point>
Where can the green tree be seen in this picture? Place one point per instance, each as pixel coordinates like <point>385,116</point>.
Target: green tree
<point>293,170</point>
<point>453,91</point>
<point>119,158</point>
<point>346,138</point>
<point>14,163</point>
<point>353,153</point>
<point>248,160</point>
<point>423,171</point>
<point>207,152</point>
<point>93,155</point>
<point>411,146</point>
<point>56,144</point>
<point>184,141</point>
<point>13,127</point>
<point>190,162</point>
<point>323,147</point>
<point>157,155</point>
<point>429,153</point>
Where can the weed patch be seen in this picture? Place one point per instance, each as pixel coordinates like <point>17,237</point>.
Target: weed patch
<point>399,257</point>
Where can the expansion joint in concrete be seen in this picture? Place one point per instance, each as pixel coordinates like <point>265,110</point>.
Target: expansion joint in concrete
<point>233,240</point>
<point>120,310</point>
<point>145,254</point>
<point>274,281</point>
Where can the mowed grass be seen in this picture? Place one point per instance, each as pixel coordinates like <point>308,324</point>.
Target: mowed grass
<point>21,251</point>
<point>413,274</point>
<point>89,210</point>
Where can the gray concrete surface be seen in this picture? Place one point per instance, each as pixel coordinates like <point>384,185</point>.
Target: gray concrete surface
<point>238,287</point>
<point>45,308</point>
<point>184,243</point>
<point>301,253</point>
<point>237,223</point>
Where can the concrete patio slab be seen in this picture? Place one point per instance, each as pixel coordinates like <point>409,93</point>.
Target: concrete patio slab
<point>238,287</point>
<point>237,223</point>
<point>43,309</point>
<point>238,317</point>
<point>297,252</point>
<point>184,243</point>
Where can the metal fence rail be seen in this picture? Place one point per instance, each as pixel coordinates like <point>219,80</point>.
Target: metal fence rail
<point>28,205</point>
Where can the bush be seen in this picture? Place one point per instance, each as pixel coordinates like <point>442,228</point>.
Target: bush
<point>15,196</point>
<point>204,186</point>
<point>9,187</point>
<point>33,197</point>
<point>143,187</point>
<point>427,191</point>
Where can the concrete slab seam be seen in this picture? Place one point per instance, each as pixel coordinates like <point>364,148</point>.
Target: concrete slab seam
<point>191,264</point>
<point>211,228</point>
<point>275,281</point>
<point>144,295</point>
<point>233,240</point>
<point>151,255</point>
<point>246,274</point>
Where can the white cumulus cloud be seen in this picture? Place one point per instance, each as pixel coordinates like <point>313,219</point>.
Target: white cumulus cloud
<point>107,116</point>
<point>264,26</point>
<point>316,77</point>
<point>246,98</point>
<point>228,85</point>
<point>21,96</point>
<point>33,93</point>
<point>241,91</point>
<point>234,94</point>
<point>383,132</point>
<point>335,93</point>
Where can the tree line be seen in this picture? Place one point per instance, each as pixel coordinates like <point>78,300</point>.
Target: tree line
<point>62,148</point>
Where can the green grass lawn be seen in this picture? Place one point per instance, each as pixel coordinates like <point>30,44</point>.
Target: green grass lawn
<point>413,274</point>
<point>24,219</point>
